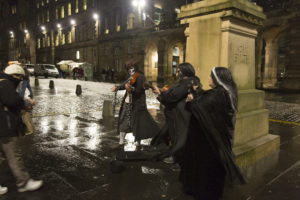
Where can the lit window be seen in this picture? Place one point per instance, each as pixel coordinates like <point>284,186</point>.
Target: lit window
<point>48,16</point>
<point>38,4</point>
<point>157,14</point>
<point>130,21</point>
<point>106,26</point>
<point>70,37</point>
<point>48,41</point>
<point>62,14</point>
<point>57,40</point>
<point>38,43</point>
<point>69,9</point>
<point>38,20</point>
<point>13,9</point>
<point>76,9</point>
<point>56,13</point>
<point>47,1</point>
<point>84,5</point>
<point>42,2</point>
<point>63,39</point>
<point>44,42</point>
<point>77,55</point>
<point>118,27</point>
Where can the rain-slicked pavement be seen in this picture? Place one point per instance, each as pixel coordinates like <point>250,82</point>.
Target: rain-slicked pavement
<point>73,147</point>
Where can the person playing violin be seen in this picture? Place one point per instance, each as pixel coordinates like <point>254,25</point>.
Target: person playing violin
<point>174,132</point>
<point>134,116</point>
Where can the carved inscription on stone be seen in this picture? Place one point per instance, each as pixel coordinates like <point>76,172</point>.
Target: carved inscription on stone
<point>241,53</point>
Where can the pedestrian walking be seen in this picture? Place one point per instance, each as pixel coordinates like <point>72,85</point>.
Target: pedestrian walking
<point>134,116</point>
<point>177,117</point>
<point>208,155</point>
<point>25,84</point>
<point>103,74</point>
<point>10,121</point>
<point>29,102</point>
<point>112,74</point>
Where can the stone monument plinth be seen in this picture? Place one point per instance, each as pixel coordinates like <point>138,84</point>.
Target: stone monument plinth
<point>222,33</point>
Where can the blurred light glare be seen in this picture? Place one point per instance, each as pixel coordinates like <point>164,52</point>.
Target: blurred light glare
<point>58,26</point>
<point>43,28</point>
<point>72,21</point>
<point>139,3</point>
<point>95,16</point>
<point>26,31</point>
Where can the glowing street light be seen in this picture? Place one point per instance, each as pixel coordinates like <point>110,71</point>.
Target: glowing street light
<point>43,28</point>
<point>95,16</point>
<point>58,25</point>
<point>139,3</point>
<point>25,31</point>
<point>11,34</point>
<point>73,22</point>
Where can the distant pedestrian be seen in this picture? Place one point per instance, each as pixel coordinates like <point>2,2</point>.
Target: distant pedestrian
<point>112,74</point>
<point>10,106</point>
<point>103,74</point>
<point>208,155</point>
<point>25,84</point>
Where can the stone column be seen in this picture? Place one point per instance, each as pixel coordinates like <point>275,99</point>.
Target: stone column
<point>222,33</point>
<point>161,61</point>
<point>270,73</point>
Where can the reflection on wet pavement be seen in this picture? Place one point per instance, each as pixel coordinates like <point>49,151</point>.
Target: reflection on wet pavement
<point>73,147</point>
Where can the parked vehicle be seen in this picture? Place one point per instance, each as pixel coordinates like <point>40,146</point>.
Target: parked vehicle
<point>30,68</point>
<point>46,70</point>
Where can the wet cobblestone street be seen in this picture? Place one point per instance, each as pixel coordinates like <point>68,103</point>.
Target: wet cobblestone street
<point>73,147</point>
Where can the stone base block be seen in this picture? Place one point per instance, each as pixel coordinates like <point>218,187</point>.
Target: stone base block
<point>251,125</point>
<point>253,151</point>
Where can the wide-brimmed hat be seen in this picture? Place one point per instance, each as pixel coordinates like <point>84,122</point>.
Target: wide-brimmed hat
<point>14,69</point>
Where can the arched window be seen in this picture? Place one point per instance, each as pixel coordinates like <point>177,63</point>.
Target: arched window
<point>130,21</point>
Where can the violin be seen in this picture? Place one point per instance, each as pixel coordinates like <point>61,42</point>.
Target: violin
<point>131,81</point>
<point>148,85</point>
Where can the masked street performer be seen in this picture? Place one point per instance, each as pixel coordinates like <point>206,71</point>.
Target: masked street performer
<point>10,121</point>
<point>134,116</point>
<point>208,150</point>
<point>177,116</point>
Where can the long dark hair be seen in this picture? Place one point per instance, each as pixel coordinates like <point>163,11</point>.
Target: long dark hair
<point>223,77</point>
<point>187,69</point>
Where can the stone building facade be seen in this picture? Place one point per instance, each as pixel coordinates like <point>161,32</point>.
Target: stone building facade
<point>278,55</point>
<point>103,33</point>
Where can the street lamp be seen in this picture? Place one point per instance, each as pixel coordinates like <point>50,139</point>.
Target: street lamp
<point>73,22</point>
<point>95,16</point>
<point>11,34</point>
<point>139,4</point>
<point>58,26</point>
<point>25,31</point>
<point>43,28</point>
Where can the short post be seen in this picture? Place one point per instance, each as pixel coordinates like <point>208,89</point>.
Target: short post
<point>78,90</point>
<point>51,84</point>
<point>107,109</point>
<point>36,82</point>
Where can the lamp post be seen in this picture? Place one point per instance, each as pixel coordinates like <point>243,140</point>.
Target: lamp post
<point>139,4</point>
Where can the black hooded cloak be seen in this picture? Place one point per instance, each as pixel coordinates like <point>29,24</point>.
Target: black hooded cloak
<point>208,150</point>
